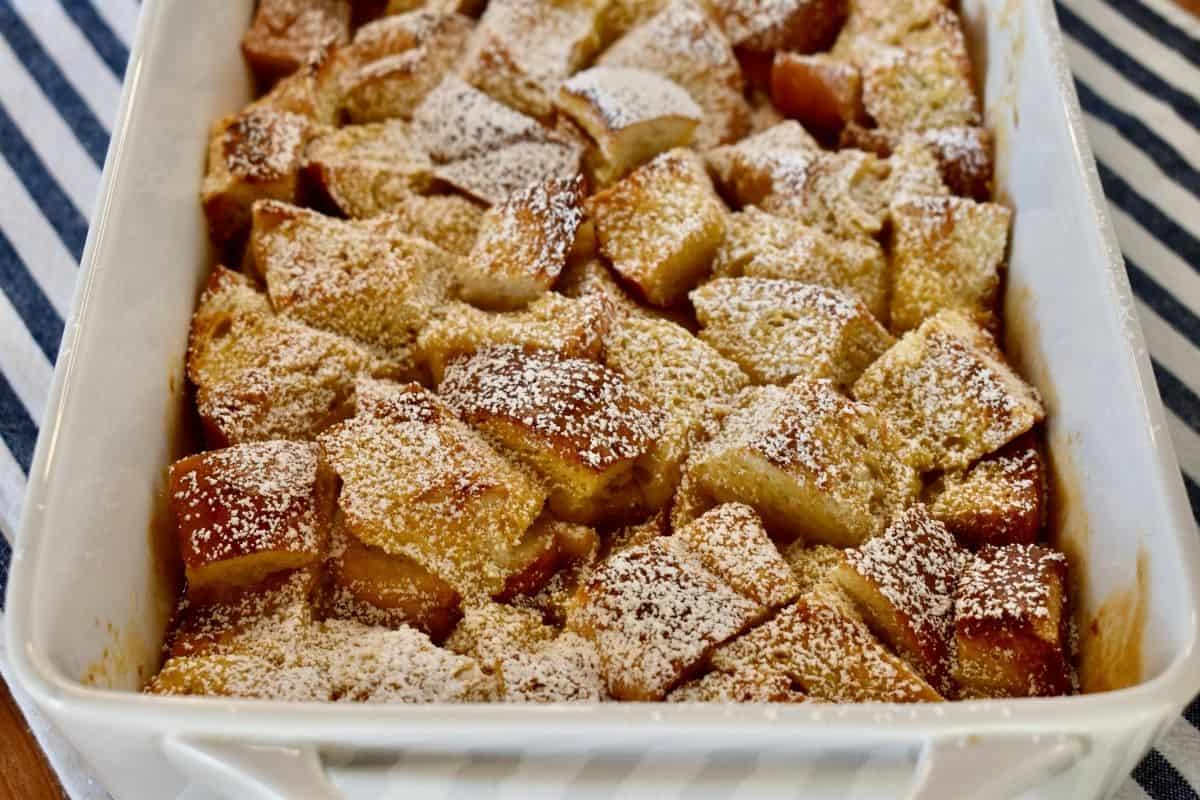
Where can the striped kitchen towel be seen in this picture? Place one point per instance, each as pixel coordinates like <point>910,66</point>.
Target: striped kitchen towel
<point>1137,67</point>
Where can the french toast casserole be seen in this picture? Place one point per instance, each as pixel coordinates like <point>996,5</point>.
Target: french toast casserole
<point>600,350</point>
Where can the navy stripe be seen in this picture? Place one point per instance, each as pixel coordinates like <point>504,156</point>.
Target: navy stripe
<point>1158,224</point>
<point>1192,713</point>
<point>1177,396</point>
<point>55,205</point>
<point>1184,104</point>
<point>31,303</point>
<point>104,40</point>
<point>1164,303</point>
<point>5,560</point>
<point>78,116</point>
<point>1160,28</point>
<point>1161,780</point>
<point>1168,159</point>
<point>16,426</point>
<point>1193,493</point>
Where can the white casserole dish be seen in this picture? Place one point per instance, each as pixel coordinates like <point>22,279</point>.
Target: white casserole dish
<point>87,602</point>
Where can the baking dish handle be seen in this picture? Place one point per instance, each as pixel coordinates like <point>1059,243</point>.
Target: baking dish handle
<point>974,767</point>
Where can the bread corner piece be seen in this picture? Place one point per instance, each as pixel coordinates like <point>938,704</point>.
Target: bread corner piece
<point>903,583</point>
<point>418,482</point>
<point>655,610</point>
<point>822,92</point>
<point>803,26</point>
<point>946,254</point>
<point>523,245</point>
<point>660,226</point>
<point>578,424</point>
<point>256,154</point>
<point>811,462</point>
<point>632,115</point>
<point>949,394</point>
<point>262,376</point>
<point>778,330</point>
<point>286,34</point>
<point>368,169</point>
<point>1011,623</point>
<point>250,510</point>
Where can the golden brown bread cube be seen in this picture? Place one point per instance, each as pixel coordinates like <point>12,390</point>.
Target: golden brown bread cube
<point>262,376</point>
<point>778,330</point>
<point>654,612</point>
<point>812,463</point>
<point>916,172</point>
<point>365,279</point>
<point>523,49</point>
<point>622,16</point>
<point>311,91</point>
<point>523,245</point>
<point>903,583</point>
<point>286,34</point>
<point>803,26</point>
<point>252,155</point>
<point>368,169</point>
<point>679,374</point>
<point>418,482</point>
<point>811,564</point>
<point>948,393</point>
<point>660,226</point>
<point>535,559</point>
<point>924,84</point>
<point>764,164</point>
<point>495,176</point>
<point>377,588</point>
<point>825,652</point>
<point>888,22</point>
<point>395,61</point>
<point>682,43</point>
<point>1000,500</point>
<point>762,245</point>
<point>449,221</point>
<point>580,425</point>
<point>631,114</point>
<point>572,328</point>
<point>592,278</point>
<point>946,254</point>
<point>250,510</point>
<point>732,544</point>
<point>1011,623</point>
<point>457,121</point>
<point>965,153</point>
<point>822,92</point>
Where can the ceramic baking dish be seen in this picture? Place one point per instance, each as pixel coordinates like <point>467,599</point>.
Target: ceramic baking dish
<point>88,597</point>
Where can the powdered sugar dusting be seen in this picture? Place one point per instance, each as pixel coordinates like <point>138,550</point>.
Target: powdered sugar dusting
<point>626,96</point>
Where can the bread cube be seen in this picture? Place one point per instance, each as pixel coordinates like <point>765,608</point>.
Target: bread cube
<point>778,330</point>
<point>762,245</point>
<point>812,463</point>
<point>654,612</point>
<point>456,121</point>
<point>825,652</point>
<point>523,245</point>
<point>367,169</point>
<point>660,226</point>
<point>887,22</point>
<point>922,85</point>
<point>490,632</point>
<point>811,565</point>
<point>822,92</point>
<point>259,376</point>
<point>965,153</point>
<point>311,91</point>
<point>946,254</point>
<point>286,34</point>
<point>252,155</point>
<point>572,328</point>
<point>395,61</point>
<point>1000,500</point>
<point>916,171</point>
<point>631,114</point>
<point>580,425</point>
<point>247,511</point>
<point>683,44</point>
<point>732,543</point>
<point>449,221</point>
<point>749,686</point>
<point>523,49</point>
<point>565,670</point>
<point>234,675</point>
<point>376,588</point>
<point>1011,623</point>
<point>592,278</point>
<point>493,177</point>
<point>365,279</point>
<point>803,26</point>
<point>418,482</point>
<point>534,560</point>
<point>622,16</point>
<point>903,583</point>
<point>763,164</point>
<point>947,391</point>
<point>679,374</point>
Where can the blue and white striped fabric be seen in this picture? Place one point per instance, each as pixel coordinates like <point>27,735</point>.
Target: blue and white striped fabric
<point>1137,67</point>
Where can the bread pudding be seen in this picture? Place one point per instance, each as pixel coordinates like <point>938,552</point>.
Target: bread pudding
<point>581,351</point>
